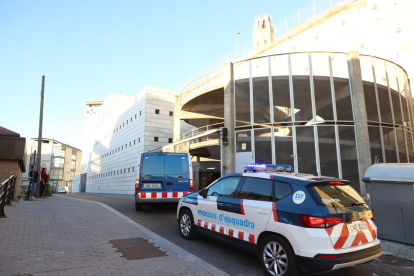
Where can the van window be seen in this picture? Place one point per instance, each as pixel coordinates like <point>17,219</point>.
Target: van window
<point>225,187</point>
<point>338,196</point>
<point>152,165</point>
<point>176,164</point>
<point>282,189</point>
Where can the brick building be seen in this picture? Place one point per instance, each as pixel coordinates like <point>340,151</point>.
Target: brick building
<point>12,154</point>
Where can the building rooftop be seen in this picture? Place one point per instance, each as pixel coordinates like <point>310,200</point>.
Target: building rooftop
<point>8,132</point>
<point>48,140</point>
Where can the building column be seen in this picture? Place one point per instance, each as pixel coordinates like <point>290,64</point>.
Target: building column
<point>228,152</point>
<point>177,119</point>
<point>360,117</point>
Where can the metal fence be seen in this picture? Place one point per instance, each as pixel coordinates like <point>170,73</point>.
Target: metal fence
<point>306,16</point>
<point>7,193</point>
<point>202,129</point>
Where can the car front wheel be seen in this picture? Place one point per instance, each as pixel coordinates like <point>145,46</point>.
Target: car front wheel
<point>277,257</point>
<point>186,225</point>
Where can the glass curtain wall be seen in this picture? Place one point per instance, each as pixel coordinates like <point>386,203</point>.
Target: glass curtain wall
<point>299,110</point>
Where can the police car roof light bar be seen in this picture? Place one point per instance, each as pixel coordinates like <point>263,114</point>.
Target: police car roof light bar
<point>254,167</point>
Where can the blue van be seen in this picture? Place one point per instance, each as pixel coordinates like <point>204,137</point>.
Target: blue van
<point>162,177</point>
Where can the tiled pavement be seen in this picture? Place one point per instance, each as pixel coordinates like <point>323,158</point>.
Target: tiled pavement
<point>65,236</point>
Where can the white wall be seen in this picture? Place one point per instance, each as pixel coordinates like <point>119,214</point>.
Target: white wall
<point>381,28</point>
<point>137,126</point>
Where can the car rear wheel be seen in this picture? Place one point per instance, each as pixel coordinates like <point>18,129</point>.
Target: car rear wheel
<point>277,257</point>
<point>186,225</point>
<point>138,207</point>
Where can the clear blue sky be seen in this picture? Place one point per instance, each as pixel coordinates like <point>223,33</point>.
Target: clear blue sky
<point>81,45</point>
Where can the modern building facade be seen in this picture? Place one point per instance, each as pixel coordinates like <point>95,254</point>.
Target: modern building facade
<point>326,91</point>
<point>120,128</point>
<point>62,161</point>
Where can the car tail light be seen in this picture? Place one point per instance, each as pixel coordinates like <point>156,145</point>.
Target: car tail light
<point>137,185</point>
<point>317,222</point>
<point>326,256</point>
<point>191,185</point>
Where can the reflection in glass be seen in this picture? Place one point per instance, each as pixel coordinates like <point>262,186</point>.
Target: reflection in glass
<point>389,145</point>
<point>349,155</point>
<point>243,141</point>
<point>306,150</point>
<point>263,146</point>
<point>409,138</point>
<point>284,145</point>
<point>327,151</point>
<point>301,87</point>
<point>260,75</point>
<point>403,94</point>
<point>242,94</point>
<point>322,87</point>
<point>341,85</point>
<point>369,88</point>
<point>402,150</point>
<point>382,88</point>
<point>282,111</point>
<point>395,95</point>
<point>375,145</point>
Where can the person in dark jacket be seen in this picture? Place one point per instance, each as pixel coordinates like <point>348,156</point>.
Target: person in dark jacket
<point>33,181</point>
<point>44,180</point>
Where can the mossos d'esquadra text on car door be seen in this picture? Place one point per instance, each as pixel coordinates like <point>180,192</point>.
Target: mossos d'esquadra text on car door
<point>293,222</point>
<point>162,177</point>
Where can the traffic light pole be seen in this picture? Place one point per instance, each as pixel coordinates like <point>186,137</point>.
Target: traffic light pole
<point>39,141</point>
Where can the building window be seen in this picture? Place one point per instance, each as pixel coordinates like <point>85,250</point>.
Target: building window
<point>139,140</point>
<point>133,169</point>
<point>129,143</point>
<point>140,113</point>
<point>127,121</point>
<point>123,124</point>
<point>128,169</point>
<point>170,140</point>
<point>171,113</point>
<point>155,139</point>
<point>122,147</point>
<point>135,116</point>
<point>157,111</point>
<point>126,146</point>
<point>134,142</point>
<point>131,119</point>
<point>264,24</point>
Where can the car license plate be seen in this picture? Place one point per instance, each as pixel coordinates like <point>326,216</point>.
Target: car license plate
<point>357,226</point>
<point>153,185</point>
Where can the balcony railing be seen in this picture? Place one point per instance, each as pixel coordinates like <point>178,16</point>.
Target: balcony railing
<point>302,19</point>
<point>202,129</point>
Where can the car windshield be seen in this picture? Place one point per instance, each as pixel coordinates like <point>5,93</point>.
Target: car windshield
<point>337,196</point>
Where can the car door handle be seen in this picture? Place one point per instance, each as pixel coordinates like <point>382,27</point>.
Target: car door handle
<point>263,212</point>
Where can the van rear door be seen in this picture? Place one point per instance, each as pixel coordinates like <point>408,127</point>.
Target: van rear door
<point>177,176</point>
<point>152,173</point>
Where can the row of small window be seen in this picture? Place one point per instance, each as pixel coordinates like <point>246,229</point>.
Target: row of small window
<point>252,188</point>
<point>109,134</point>
<point>115,150</point>
<point>111,173</point>
<point>157,139</point>
<point>157,111</point>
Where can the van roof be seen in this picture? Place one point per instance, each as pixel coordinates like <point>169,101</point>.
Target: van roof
<point>401,172</point>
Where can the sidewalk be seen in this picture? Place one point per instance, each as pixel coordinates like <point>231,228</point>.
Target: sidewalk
<point>65,236</point>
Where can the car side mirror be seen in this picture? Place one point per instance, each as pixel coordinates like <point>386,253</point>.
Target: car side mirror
<point>203,193</point>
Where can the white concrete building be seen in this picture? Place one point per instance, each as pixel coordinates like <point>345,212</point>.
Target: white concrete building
<point>119,128</point>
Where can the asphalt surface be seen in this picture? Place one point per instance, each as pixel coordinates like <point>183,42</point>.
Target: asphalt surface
<point>161,219</point>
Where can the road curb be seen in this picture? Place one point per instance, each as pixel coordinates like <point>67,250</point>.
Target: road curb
<point>162,241</point>
<point>398,249</point>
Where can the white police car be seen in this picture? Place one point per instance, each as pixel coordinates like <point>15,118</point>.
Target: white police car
<point>293,222</point>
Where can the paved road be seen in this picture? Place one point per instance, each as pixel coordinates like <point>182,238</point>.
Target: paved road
<point>161,219</point>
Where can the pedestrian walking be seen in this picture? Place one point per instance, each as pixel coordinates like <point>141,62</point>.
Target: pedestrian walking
<point>43,182</point>
<point>33,181</point>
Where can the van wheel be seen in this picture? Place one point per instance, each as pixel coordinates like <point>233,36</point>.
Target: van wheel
<point>277,257</point>
<point>138,207</point>
<point>186,225</point>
